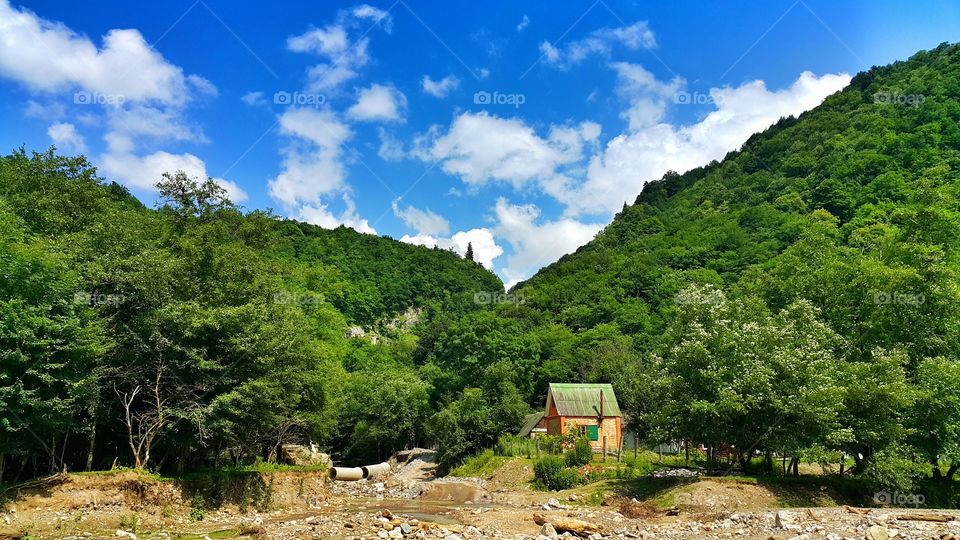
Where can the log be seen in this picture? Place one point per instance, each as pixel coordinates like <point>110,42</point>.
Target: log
<point>936,518</point>
<point>566,524</point>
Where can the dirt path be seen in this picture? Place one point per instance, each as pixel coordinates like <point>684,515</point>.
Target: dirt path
<point>131,506</point>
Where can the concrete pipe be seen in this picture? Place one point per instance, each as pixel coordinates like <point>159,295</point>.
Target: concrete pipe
<point>346,474</point>
<point>373,471</point>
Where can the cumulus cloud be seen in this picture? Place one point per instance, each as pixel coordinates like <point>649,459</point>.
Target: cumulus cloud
<point>525,22</point>
<point>485,248</point>
<point>320,214</point>
<point>618,173</point>
<point>535,242</point>
<point>64,135</point>
<point>648,98</point>
<point>425,222</point>
<point>379,103</point>
<point>480,147</point>
<point>142,172</point>
<point>254,99</point>
<point>343,57</point>
<point>391,148</point>
<point>600,42</point>
<point>48,56</point>
<point>441,88</point>
<point>312,164</point>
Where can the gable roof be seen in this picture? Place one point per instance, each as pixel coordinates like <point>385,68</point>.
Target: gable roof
<point>573,399</point>
<point>530,421</point>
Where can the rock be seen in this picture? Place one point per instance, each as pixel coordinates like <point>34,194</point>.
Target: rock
<point>383,534</point>
<point>556,504</point>
<point>776,537</point>
<point>877,532</point>
<point>124,534</point>
<point>395,533</point>
<point>548,530</point>
<point>452,537</point>
<point>779,519</point>
<point>406,528</point>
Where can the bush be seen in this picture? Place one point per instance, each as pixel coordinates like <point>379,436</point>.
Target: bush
<point>580,454</point>
<point>551,474</point>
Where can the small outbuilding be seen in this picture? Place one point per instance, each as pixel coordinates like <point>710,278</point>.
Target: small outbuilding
<point>533,425</point>
<point>590,409</point>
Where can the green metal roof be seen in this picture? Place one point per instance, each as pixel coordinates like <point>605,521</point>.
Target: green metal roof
<point>573,399</point>
<point>530,421</point>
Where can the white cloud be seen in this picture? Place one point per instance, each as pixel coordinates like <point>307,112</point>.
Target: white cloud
<point>630,160</point>
<point>480,147</point>
<point>391,148</point>
<point>312,164</point>
<point>343,57</point>
<point>147,121</point>
<point>536,243</point>
<point>378,16</point>
<point>143,172</point>
<point>425,222</point>
<point>485,248</point>
<point>441,88</point>
<point>254,99</point>
<point>48,56</point>
<point>598,43</point>
<point>64,135</point>
<point>379,103</point>
<point>648,97</point>
<point>45,111</point>
<point>320,214</point>
<point>525,22</point>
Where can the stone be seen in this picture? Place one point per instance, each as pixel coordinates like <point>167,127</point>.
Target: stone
<point>406,528</point>
<point>452,537</point>
<point>124,534</point>
<point>876,532</point>
<point>556,504</point>
<point>395,533</point>
<point>548,530</point>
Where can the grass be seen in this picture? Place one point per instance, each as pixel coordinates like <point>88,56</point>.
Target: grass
<point>481,465</point>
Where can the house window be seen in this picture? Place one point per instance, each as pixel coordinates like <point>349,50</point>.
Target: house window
<point>590,432</point>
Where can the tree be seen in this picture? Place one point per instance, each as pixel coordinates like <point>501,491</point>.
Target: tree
<point>469,254</point>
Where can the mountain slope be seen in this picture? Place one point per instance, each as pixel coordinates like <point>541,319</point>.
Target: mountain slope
<point>882,157</point>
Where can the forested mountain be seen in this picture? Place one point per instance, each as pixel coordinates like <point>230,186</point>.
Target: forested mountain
<point>196,327</point>
<point>801,294</point>
<point>799,297</point>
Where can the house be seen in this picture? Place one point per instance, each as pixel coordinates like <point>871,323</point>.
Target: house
<point>590,409</point>
<point>533,425</point>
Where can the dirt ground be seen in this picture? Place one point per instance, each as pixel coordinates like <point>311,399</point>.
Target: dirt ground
<point>303,505</point>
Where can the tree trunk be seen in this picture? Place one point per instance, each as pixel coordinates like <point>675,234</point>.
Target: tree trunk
<point>3,461</point>
<point>91,446</point>
<point>951,471</point>
<point>937,475</point>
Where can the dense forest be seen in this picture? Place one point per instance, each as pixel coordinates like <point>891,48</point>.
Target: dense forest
<point>799,298</point>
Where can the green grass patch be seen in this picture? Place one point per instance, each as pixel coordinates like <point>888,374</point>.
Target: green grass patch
<point>481,465</point>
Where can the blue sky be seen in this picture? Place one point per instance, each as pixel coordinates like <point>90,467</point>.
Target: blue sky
<point>518,126</point>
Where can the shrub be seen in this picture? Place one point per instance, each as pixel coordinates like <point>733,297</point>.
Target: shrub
<point>550,473</point>
<point>580,454</point>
